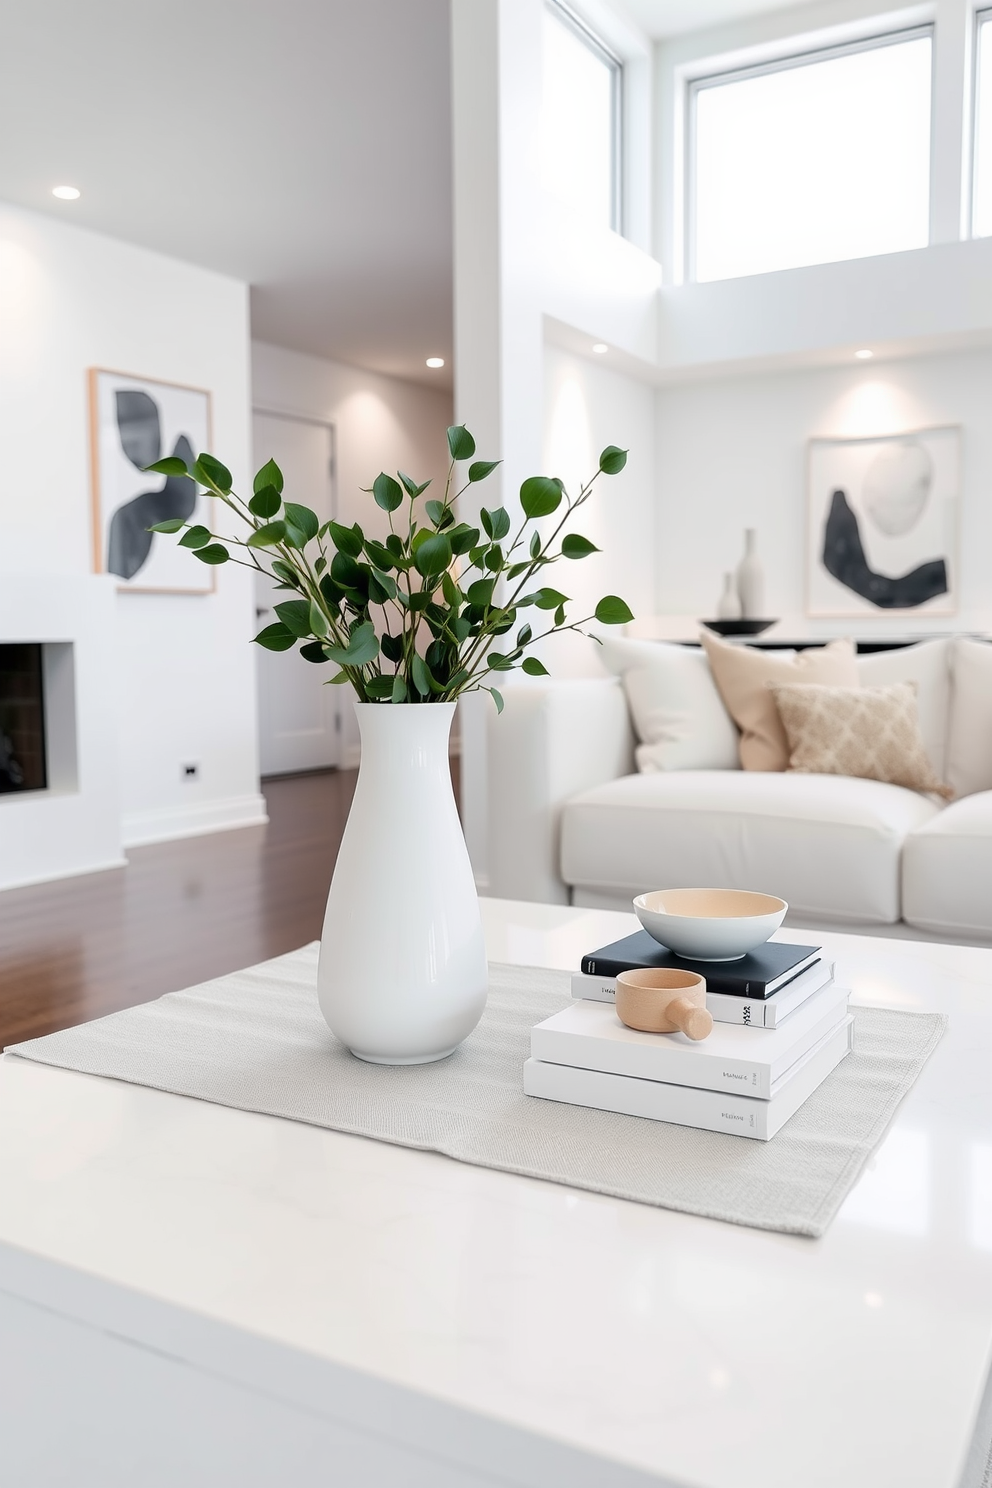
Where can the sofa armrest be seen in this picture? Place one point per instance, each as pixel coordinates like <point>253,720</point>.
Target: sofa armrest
<point>551,741</point>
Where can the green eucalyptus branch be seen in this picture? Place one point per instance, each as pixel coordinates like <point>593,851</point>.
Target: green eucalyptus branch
<point>343,592</point>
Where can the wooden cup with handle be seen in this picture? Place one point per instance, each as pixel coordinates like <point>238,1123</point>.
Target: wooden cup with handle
<point>659,1000</point>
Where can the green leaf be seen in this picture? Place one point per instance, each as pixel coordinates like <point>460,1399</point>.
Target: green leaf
<point>320,564</point>
<point>295,615</point>
<point>501,523</point>
<point>497,662</point>
<point>420,676</point>
<point>381,589</point>
<point>613,611</point>
<point>494,558</point>
<point>283,571</point>
<point>560,615</point>
<point>549,599</point>
<point>387,492</point>
<point>392,647</point>
<point>450,590</point>
<point>379,688</point>
<point>399,693</point>
<point>313,651</point>
<point>517,570</point>
<point>318,620</point>
<point>419,600</point>
<point>275,638</point>
<point>612,460</point>
<point>535,545</point>
<point>442,516</point>
<point>303,518</point>
<point>575,546</point>
<point>462,538</point>
<point>480,593</point>
<point>379,555</point>
<point>433,555</point>
<point>196,537</point>
<point>540,495</point>
<point>215,553</point>
<point>267,537</point>
<point>497,698</point>
<point>486,518</point>
<point>295,536</point>
<point>269,475</point>
<point>461,445</point>
<point>265,502</point>
<point>535,668</point>
<point>410,485</point>
<point>524,635</point>
<point>338,677</point>
<point>481,468</point>
<point>171,465</point>
<point>172,525</point>
<point>345,539</point>
<point>210,472</point>
<point>362,647</point>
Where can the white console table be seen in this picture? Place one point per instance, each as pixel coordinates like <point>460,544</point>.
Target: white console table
<point>201,1297</point>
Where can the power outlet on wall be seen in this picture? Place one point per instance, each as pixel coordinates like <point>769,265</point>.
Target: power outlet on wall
<point>189,772</point>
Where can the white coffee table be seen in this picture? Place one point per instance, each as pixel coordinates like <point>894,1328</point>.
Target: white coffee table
<point>191,1295</point>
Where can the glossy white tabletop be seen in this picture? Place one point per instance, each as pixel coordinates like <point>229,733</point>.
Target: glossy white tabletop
<point>714,1355</point>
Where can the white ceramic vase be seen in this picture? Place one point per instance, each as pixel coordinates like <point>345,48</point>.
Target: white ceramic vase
<point>729,606</point>
<point>751,579</point>
<point>402,977</point>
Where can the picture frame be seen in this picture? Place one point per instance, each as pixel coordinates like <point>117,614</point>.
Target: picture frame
<point>135,421</point>
<point>882,524</point>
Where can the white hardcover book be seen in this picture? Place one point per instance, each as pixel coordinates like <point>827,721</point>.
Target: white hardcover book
<point>683,1105</point>
<point>589,1035</point>
<point>767,1013</point>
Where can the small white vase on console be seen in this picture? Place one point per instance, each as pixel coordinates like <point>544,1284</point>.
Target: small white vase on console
<point>751,579</point>
<point>729,605</point>
<point>402,977</point>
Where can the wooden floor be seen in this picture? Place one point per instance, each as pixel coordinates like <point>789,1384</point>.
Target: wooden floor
<point>179,913</point>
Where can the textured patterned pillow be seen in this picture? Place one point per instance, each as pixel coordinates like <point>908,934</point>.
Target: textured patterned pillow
<point>872,733</point>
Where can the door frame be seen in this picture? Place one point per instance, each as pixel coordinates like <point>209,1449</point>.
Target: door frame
<point>270,410</point>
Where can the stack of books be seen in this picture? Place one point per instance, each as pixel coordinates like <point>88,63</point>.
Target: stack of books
<point>781,1026</point>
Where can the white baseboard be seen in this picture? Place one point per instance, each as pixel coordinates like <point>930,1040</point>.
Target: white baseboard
<point>166,823</point>
<point>75,872</point>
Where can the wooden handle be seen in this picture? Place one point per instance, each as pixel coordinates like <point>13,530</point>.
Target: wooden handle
<point>694,1021</point>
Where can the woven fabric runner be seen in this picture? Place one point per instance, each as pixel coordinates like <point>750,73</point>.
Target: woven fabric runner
<point>256,1041</point>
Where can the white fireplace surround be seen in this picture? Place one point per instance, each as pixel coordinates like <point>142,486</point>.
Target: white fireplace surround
<point>73,826</point>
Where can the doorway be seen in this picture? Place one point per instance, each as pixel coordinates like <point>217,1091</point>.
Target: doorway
<point>298,717</point>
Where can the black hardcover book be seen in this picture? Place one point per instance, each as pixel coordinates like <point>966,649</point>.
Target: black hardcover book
<point>759,974</point>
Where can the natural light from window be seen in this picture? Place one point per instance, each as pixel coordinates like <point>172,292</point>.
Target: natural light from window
<point>981,219</point>
<point>812,163</point>
<point>579,143</point>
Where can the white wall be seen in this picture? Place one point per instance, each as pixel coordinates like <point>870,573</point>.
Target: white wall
<point>732,454</point>
<point>69,300</point>
<point>381,423</point>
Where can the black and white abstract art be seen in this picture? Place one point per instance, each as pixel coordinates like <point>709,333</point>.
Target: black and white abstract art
<point>882,536</point>
<point>135,422</point>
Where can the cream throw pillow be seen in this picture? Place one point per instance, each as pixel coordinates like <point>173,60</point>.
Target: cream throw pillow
<point>872,733</point>
<point>679,717</point>
<point>743,675</point>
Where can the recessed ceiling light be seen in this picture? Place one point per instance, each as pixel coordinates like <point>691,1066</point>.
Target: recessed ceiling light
<point>600,347</point>
<point>435,361</point>
<point>66,193</point>
<point>865,355</point>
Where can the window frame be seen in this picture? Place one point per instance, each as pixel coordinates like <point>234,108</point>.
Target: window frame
<point>579,28</point>
<point>983,16</point>
<point>781,63</point>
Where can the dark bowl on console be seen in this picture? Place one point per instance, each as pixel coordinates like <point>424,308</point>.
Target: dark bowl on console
<point>738,627</point>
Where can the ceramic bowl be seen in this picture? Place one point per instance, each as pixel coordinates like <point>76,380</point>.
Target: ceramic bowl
<point>710,924</point>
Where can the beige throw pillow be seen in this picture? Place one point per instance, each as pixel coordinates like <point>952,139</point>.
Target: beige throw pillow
<point>872,733</point>
<point>743,675</point>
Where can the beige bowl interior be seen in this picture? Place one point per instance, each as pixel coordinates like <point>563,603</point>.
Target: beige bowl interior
<point>711,904</point>
<point>659,979</point>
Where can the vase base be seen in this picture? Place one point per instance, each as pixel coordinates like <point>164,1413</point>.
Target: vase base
<point>400,1059</point>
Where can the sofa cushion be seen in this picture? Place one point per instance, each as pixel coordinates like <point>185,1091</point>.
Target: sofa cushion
<point>929,666</point>
<point>969,741</point>
<point>743,673</point>
<point>678,715</point>
<point>827,844</point>
<point>947,870</point>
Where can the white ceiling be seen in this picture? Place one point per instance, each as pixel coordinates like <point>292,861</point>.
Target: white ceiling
<point>301,145</point>
<point>664,18</point>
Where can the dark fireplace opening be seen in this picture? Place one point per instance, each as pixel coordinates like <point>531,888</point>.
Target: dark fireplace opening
<point>22,718</point>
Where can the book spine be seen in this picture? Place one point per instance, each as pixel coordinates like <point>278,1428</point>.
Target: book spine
<point>718,981</point>
<point>681,1104</point>
<point>723,1009</point>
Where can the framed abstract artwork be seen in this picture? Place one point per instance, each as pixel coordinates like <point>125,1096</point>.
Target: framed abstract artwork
<point>882,524</point>
<point>135,421</point>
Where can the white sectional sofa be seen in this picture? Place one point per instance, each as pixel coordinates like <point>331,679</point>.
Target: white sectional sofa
<point>571,819</point>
